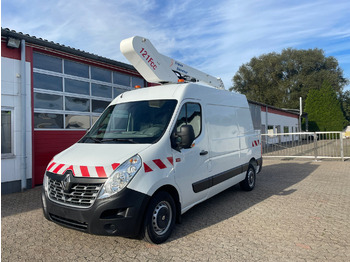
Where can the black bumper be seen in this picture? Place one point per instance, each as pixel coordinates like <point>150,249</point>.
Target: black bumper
<point>120,215</point>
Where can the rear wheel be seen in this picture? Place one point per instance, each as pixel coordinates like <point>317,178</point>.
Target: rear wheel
<point>248,183</point>
<point>160,218</point>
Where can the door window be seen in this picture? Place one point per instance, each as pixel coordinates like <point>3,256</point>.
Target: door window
<point>190,114</point>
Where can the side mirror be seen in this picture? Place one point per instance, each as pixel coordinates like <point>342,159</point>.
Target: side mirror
<point>184,138</point>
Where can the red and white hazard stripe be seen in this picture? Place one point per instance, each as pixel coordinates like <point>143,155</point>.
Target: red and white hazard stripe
<point>82,171</point>
<point>255,143</point>
<point>157,164</point>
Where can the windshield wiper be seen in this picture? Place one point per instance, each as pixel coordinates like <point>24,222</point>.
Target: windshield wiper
<point>96,140</point>
<point>118,140</point>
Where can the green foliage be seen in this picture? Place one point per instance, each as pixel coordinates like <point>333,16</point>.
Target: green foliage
<point>280,79</point>
<point>345,104</point>
<point>324,110</point>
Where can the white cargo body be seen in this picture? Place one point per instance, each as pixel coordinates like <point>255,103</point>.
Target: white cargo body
<point>152,155</point>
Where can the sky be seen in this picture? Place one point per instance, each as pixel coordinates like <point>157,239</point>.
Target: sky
<point>216,37</point>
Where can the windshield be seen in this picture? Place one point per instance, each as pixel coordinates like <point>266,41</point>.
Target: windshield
<point>133,122</point>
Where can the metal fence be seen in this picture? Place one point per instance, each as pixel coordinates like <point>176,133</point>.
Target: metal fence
<point>317,145</point>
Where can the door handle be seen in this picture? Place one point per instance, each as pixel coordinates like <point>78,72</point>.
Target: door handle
<point>203,153</point>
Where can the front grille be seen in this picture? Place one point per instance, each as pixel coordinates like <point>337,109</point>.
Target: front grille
<point>80,195</point>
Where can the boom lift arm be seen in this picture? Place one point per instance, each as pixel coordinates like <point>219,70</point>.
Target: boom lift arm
<point>158,68</point>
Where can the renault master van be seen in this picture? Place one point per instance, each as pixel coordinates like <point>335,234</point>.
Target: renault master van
<point>152,155</point>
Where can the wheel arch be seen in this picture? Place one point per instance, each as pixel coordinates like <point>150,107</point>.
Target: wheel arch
<point>254,163</point>
<point>175,195</point>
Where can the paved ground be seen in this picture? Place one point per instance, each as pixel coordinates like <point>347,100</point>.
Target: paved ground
<point>299,211</point>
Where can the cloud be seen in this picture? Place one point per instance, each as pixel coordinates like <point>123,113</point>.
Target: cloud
<point>214,36</point>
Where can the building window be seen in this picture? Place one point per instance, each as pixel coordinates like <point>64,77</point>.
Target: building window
<point>49,121</point>
<point>47,62</point>
<point>286,130</point>
<point>77,104</point>
<point>48,101</point>
<point>121,79</point>
<point>72,95</point>
<point>98,106</point>
<point>101,74</point>
<point>47,82</point>
<point>77,87</point>
<point>101,90</point>
<point>137,81</point>
<point>76,69</point>
<point>270,131</point>
<point>6,132</point>
<point>77,121</point>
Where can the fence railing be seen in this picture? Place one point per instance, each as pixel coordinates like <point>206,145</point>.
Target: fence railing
<point>317,145</point>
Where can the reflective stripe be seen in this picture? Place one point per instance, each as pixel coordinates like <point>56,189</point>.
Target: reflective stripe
<point>147,168</point>
<point>58,168</point>
<point>171,160</point>
<point>50,166</point>
<point>159,163</point>
<point>101,171</point>
<point>115,165</point>
<point>69,168</point>
<point>84,171</point>
<point>255,143</point>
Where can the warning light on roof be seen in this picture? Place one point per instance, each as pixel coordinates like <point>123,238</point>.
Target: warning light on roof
<point>137,86</point>
<point>181,80</point>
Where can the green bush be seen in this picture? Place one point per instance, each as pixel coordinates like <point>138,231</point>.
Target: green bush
<point>324,110</point>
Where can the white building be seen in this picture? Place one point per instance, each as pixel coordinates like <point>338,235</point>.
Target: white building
<point>272,120</point>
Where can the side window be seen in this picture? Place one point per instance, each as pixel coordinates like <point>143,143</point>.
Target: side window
<point>6,132</point>
<point>190,114</point>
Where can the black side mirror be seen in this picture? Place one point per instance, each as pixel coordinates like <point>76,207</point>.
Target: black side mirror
<point>184,138</point>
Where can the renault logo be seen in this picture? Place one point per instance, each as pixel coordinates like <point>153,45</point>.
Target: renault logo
<point>66,183</point>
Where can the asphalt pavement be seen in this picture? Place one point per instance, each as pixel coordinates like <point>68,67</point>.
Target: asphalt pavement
<point>299,211</point>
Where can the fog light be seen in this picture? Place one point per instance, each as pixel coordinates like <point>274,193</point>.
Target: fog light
<point>111,228</point>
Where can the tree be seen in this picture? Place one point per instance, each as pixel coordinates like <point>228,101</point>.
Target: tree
<point>345,104</point>
<point>280,79</point>
<point>324,110</point>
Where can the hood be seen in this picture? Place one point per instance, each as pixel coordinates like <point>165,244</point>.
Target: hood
<point>93,160</point>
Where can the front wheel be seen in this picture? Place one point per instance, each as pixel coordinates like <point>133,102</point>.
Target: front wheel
<point>248,183</point>
<point>160,218</point>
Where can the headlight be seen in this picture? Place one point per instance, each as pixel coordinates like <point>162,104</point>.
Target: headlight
<point>121,177</point>
<point>46,183</point>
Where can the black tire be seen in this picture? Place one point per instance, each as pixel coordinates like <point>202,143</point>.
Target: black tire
<point>248,183</point>
<point>160,218</point>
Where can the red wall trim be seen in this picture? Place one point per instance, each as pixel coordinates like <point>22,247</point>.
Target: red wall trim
<point>47,144</point>
<point>278,112</point>
<point>14,53</point>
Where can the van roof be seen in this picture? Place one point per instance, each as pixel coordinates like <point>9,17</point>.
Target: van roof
<point>180,92</point>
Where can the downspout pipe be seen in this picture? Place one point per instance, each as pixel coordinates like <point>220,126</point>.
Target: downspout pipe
<point>23,117</point>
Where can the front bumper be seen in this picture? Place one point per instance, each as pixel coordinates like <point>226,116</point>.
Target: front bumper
<point>121,214</point>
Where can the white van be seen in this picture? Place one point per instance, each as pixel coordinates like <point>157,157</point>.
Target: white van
<point>152,155</point>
